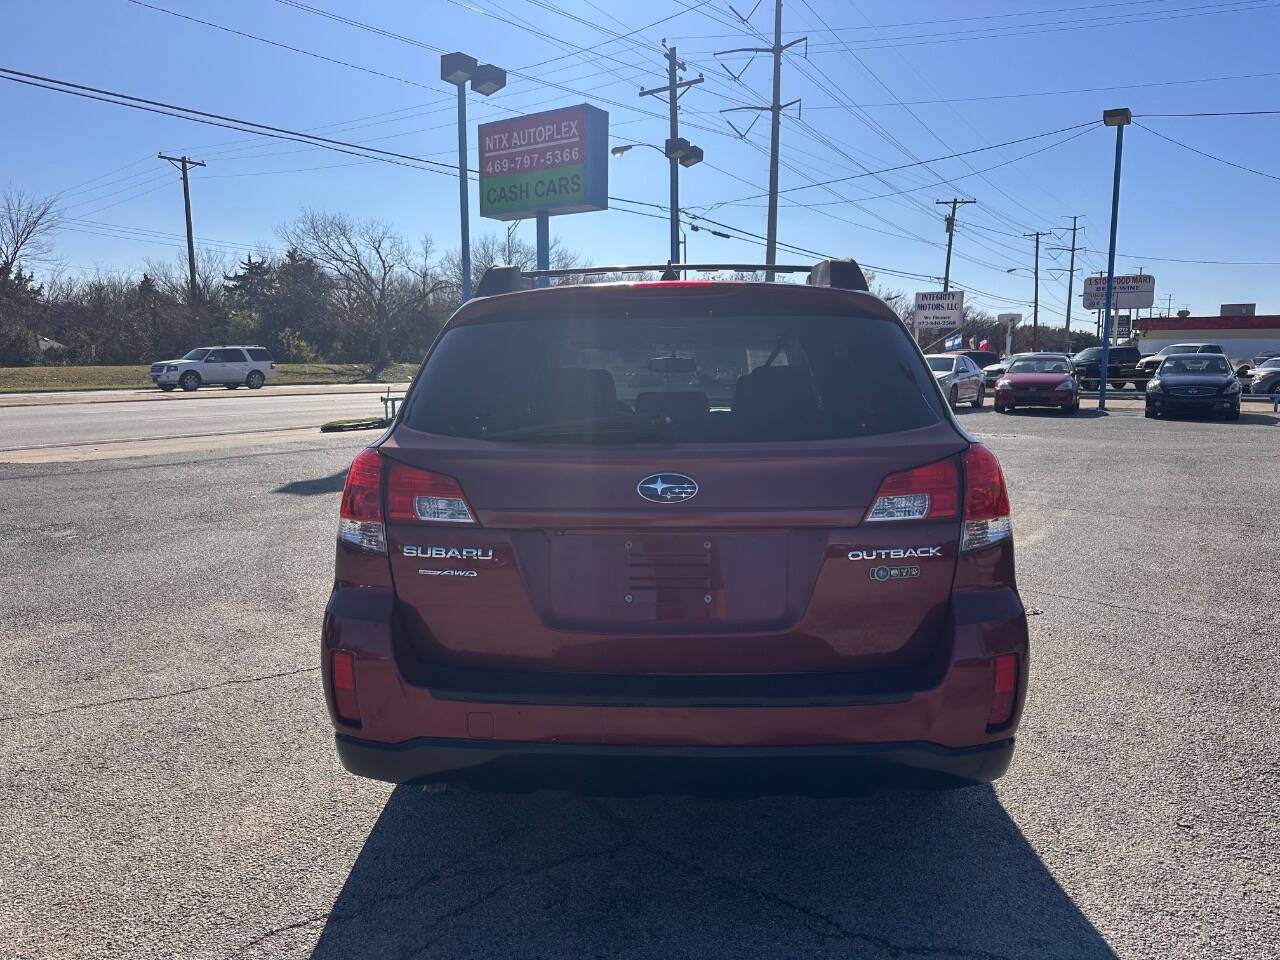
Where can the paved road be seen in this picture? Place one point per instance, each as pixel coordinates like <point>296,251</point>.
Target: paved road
<point>105,421</point>
<point>169,787</point>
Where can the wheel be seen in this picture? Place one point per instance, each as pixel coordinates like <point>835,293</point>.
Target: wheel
<point>998,408</point>
<point>1234,414</point>
<point>232,386</point>
<point>254,380</point>
<point>953,398</point>
<point>167,387</point>
<point>981,398</point>
<point>1089,384</point>
<point>1115,384</point>
<point>1150,414</point>
<point>189,381</point>
<point>1071,410</point>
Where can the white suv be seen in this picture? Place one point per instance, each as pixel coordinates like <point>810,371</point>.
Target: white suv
<point>250,366</point>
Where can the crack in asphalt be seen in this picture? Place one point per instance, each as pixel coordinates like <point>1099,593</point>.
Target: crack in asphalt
<point>1126,608</point>
<point>143,698</point>
<point>837,929</point>
<point>444,873</point>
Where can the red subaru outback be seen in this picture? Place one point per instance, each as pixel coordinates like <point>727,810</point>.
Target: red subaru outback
<point>703,525</point>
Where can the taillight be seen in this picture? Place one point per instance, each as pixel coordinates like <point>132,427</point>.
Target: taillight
<point>931,492</point>
<point>343,673</point>
<point>986,501</point>
<point>1004,687</point>
<point>361,515</point>
<point>273,364</point>
<point>422,496</point>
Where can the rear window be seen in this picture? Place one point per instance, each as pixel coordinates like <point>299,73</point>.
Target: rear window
<point>257,353</point>
<point>679,378</point>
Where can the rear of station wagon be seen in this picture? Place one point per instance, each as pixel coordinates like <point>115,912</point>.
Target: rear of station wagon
<point>697,526</point>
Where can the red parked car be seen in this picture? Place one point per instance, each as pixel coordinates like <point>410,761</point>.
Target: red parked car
<point>1039,380</point>
<point>703,526</point>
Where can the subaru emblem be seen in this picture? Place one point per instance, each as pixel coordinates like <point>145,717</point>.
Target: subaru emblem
<point>667,487</point>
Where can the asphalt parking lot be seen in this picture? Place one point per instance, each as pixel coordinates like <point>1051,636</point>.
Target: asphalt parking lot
<point>170,789</point>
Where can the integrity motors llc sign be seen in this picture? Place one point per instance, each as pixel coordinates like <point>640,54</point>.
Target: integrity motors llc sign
<point>938,311</point>
<point>552,162</point>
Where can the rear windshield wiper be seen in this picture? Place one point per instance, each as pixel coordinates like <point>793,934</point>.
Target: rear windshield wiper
<point>620,429</point>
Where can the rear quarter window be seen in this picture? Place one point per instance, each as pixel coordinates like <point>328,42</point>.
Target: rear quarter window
<point>257,353</point>
<point>710,377</point>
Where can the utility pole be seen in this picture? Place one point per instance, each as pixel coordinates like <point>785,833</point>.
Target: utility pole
<point>675,151</point>
<point>183,163</point>
<point>1168,310</point>
<point>1071,279</point>
<point>775,109</point>
<point>951,232</point>
<point>1035,310</point>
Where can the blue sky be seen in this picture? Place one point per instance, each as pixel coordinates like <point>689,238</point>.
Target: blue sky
<point>884,84</point>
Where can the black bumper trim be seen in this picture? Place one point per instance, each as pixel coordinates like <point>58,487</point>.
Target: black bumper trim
<point>429,758</point>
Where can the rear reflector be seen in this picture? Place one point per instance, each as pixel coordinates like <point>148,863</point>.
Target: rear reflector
<point>986,501</point>
<point>345,702</point>
<point>931,492</point>
<point>1004,688</point>
<point>421,496</point>
<point>361,514</point>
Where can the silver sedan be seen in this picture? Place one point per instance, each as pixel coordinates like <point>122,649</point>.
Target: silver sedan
<point>959,377</point>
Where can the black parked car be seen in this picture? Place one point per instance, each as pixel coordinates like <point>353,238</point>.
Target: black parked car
<point>1194,383</point>
<point>1122,367</point>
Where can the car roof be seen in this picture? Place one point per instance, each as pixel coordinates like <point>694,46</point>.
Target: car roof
<point>564,298</point>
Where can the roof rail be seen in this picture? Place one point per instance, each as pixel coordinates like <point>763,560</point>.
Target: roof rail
<point>844,274</point>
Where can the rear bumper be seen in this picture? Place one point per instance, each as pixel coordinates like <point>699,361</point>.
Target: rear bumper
<point>414,728</point>
<point>610,764</point>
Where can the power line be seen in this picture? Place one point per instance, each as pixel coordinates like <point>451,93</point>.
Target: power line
<point>1057,93</point>
<point>216,119</point>
<point>1203,153</point>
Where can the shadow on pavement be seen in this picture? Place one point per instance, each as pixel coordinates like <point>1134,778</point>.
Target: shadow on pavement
<point>899,873</point>
<point>1084,413</point>
<point>310,488</point>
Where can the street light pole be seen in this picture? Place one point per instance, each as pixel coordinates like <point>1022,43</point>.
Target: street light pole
<point>1119,119</point>
<point>486,79</point>
<point>463,198</point>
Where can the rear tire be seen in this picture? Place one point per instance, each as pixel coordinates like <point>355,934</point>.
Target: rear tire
<point>1150,414</point>
<point>998,408</point>
<point>953,398</point>
<point>254,380</point>
<point>1234,415</point>
<point>980,399</point>
<point>167,387</point>
<point>189,381</point>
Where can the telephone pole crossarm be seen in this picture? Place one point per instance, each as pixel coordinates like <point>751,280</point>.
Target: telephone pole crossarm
<point>951,231</point>
<point>775,108</point>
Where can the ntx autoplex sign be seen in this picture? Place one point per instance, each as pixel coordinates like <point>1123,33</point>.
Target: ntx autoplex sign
<point>552,162</point>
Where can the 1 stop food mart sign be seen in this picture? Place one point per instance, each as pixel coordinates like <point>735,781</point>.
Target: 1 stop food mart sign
<point>552,162</point>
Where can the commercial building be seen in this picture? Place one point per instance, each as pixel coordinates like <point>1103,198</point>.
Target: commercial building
<point>1240,336</point>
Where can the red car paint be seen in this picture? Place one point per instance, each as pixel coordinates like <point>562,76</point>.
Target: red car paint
<point>770,616</point>
<point>1038,389</point>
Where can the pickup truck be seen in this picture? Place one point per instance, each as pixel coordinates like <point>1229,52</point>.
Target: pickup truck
<point>1122,368</point>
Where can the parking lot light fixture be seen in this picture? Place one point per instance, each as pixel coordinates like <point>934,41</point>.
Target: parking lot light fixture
<point>485,79</point>
<point>1118,118</point>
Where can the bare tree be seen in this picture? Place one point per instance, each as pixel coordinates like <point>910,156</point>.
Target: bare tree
<point>26,221</point>
<point>378,277</point>
<point>504,249</point>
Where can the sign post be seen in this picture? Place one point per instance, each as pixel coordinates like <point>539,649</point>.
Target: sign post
<point>544,164</point>
<point>1010,320</point>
